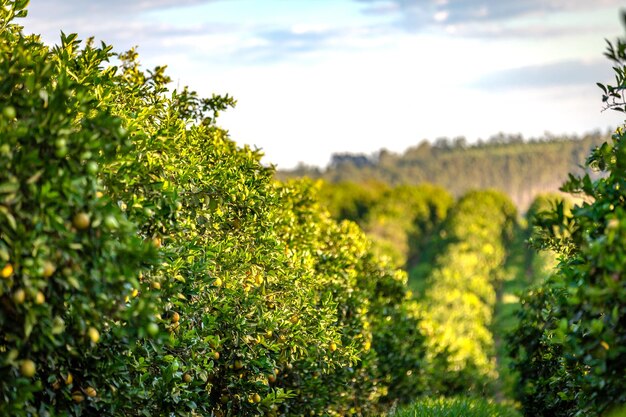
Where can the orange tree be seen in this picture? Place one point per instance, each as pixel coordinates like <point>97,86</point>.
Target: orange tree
<point>403,220</point>
<point>350,200</point>
<point>460,293</point>
<point>375,315</point>
<point>570,345</point>
<point>258,272</point>
<point>69,256</point>
<point>256,297</point>
<point>236,304</point>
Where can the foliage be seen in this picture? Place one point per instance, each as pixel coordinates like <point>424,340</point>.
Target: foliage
<point>164,268</point>
<point>455,407</point>
<point>70,258</point>
<point>349,200</point>
<point>540,264</point>
<point>374,311</point>
<point>400,221</point>
<point>570,346</point>
<point>404,219</point>
<point>460,293</point>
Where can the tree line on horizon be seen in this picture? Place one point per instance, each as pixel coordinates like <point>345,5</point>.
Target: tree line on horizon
<point>520,168</point>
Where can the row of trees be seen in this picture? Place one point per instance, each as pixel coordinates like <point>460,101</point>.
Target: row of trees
<point>149,266</point>
<point>570,345</point>
<point>460,292</point>
<point>401,221</point>
<point>521,169</point>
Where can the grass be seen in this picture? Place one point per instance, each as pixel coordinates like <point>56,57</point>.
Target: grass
<point>455,407</point>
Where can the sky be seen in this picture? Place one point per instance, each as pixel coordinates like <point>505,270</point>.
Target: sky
<point>317,77</point>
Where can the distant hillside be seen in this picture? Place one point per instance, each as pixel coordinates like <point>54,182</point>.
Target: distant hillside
<point>521,168</point>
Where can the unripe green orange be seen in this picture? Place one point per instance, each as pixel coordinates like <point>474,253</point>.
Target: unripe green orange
<point>81,221</point>
<point>9,112</point>
<point>111,223</point>
<point>48,269</point>
<point>92,168</point>
<point>19,296</point>
<point>27,368</point>
<point>152,329</point>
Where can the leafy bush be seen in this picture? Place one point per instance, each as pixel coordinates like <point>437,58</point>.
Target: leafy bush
<point>70,258</point>
<point>164,272</point>
<point>460,292</point>
<point>399,220</point>
<point>570,346</point>
<point>404,219</point>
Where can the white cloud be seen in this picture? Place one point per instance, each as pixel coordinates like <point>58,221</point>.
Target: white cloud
<point>441,16</point>
<point>308,85</point>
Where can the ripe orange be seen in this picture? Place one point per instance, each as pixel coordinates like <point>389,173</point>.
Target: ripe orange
<point>7,271</point>
<point>77,397</point>
<point>19,296</point>
<point>48,269</point>
<point>91,392</point>
<point>93,334</point>
<point>40,298</point>
<point>81,221</point>
<point>27,368</point>
<point>175,317</point>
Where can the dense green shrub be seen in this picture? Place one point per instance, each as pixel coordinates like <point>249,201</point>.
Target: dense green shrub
<point>404,219</point>
<point>128,213</point>
<point>460,292</point>
<point>540,264</point>
<point>349,200</point>
<point>570,346</point>
<point>399,220</point>
<point>70,258</point>
<point>376,312</point>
